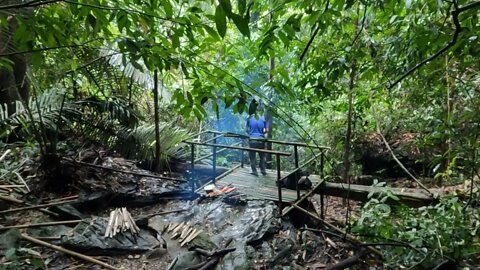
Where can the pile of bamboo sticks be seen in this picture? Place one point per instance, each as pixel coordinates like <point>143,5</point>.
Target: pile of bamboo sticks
<point>184,231</point>
<point>120,221</point>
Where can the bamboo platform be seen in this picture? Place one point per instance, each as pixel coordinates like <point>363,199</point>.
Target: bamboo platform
<point>261,187</point>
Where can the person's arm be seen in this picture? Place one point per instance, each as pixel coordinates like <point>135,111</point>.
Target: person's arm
<point>247,127</point>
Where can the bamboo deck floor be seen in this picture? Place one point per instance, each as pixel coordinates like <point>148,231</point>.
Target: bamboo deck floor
<point>262,186</point>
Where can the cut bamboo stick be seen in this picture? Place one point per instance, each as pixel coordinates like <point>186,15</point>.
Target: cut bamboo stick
<point>109,226</point>
<point>67,251</point>
<point>5,155</point>
<point>63,199</point>
<point>190,238</point>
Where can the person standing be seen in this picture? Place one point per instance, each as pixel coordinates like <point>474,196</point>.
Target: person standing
<point>257,129</point>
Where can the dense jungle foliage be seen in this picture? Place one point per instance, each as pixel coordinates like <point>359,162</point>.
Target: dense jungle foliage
<point>139,76</point>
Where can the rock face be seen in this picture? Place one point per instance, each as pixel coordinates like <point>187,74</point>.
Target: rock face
<point>375,158</point>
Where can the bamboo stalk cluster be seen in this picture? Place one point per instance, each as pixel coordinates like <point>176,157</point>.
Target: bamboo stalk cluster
<point>120,221</point>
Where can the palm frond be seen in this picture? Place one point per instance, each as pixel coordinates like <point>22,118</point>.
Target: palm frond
<point>49,108</point>
<point>139,142</point>
<point>136,70</point>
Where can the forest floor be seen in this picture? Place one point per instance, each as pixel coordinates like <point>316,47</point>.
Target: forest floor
<point>261,239</point>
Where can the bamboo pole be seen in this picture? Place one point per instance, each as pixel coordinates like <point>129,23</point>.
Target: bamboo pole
<point>67,251</point>
<point>63,199</point>
<point>11,199</point>
<point>44,224</point>
<point>35,207</point>
<point>10,186</point>
<point>5,155</point>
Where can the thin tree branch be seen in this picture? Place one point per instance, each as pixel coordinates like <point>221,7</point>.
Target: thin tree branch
<point>33,3</point>
<point>458,28</point>
<point>102,7</point>
<point>361,28</point>
<point>313,35</point>
<point>49,48</point>
<point>379,131</point>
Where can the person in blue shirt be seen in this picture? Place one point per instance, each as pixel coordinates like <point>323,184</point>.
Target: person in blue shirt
<point>257,129</point>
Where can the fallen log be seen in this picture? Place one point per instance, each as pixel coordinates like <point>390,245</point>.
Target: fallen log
<point>123,171</point>
<point>44,224</point>
<point>67,251</point>
<point>412,198</point>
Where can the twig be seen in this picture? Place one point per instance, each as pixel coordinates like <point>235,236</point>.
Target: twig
<point>304,52</point>
<point>458,28</point>
<point>377,124</point>
<point>361,28</point>
<point>35,207</point>
<point>45,224</point>
<point>23,181</point>
<point>14,200</point>
<point>67,251</point>
<point>5,155</point>
<point>32,3</point>
<point>64,199</point>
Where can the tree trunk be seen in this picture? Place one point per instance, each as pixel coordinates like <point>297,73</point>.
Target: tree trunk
<point>348,135</point>
<point>13,82</point>
<point>268,113</point>
<point>157,164</point>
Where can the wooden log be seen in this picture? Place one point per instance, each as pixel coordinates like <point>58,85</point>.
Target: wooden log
<point>415,198</point>
<point>125,172</point>
<point>35,207</point>
<point>67,251</point>
<point>44,224</point>
<point>347,262</point>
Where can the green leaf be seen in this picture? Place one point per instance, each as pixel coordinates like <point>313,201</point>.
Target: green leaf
<point>167,6</point>
<point>212,32</point>
<point>227,6</point>
<point>220,21</point>
<point>136,65</point>
<point>242,24</point>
